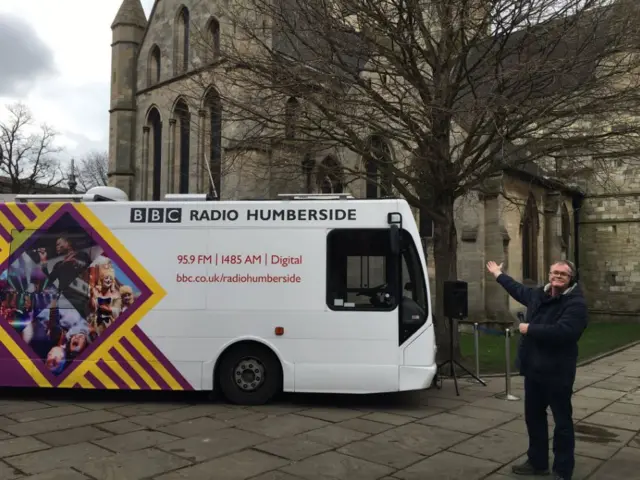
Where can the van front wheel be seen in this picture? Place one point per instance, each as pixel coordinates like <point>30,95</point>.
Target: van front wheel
<point>250,375</point>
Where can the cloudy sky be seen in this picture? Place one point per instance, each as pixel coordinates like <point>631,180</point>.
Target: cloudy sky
<point>55,57</point>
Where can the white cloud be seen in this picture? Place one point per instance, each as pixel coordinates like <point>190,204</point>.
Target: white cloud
<point>72,92</point>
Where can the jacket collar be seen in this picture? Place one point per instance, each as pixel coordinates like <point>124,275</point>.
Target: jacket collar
<point>547,287</point>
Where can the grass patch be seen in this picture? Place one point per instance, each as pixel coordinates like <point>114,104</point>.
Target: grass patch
<point>597,339</point>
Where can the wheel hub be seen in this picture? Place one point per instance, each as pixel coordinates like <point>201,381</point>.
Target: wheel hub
<point>249,374</point>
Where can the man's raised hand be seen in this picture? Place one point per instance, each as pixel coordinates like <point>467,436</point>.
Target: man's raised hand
<point>494,268</point>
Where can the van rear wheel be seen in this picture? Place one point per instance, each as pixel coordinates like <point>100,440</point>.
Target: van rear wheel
<point>250,375</point>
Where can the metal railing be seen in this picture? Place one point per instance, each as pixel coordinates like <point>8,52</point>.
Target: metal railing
<point>507,334</point>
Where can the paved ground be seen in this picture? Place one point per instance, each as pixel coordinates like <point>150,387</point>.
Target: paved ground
<point>434,434</point>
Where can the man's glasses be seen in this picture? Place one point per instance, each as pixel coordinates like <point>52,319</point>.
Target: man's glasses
<point>555,273</point>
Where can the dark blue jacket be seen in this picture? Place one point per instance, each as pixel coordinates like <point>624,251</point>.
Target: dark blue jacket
<point>549,350</point>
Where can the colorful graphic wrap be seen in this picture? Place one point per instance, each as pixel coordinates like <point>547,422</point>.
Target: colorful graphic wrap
<point>70,298</point>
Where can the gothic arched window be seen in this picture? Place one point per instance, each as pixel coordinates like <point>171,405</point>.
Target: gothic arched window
<point>213,106</point>
<point>377,165</point>
<point>183,118</point>
<point>530,227</point>
<point>155,151</point>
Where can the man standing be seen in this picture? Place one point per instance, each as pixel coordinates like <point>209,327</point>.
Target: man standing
<point>548,354</point>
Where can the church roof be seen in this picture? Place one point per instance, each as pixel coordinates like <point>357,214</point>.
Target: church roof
<point>130,13</point>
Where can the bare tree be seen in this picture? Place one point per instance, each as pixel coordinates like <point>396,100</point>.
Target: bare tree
<point>28,153</point>
<point>92,170</point>
<point>459,90</point>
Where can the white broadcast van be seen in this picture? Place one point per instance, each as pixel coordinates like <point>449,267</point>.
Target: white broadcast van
<point>307,293</point>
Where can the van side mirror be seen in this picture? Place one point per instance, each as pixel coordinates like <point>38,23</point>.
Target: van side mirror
<point>394,238</point>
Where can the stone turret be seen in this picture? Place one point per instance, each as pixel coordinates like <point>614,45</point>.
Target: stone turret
<point>128,29</point>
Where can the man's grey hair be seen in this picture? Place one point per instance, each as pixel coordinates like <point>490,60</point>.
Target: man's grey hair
<point>569,264</point>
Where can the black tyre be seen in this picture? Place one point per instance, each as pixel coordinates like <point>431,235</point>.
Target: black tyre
<point>249,374</point>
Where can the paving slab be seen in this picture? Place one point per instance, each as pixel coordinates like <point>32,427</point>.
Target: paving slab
<point>618,385</point>
<point>61,423</point>
<point>602,393</point>
<point>390,418</point>
<point>120,426</point>
<point>337,466</point>
<point>44,413</point>
<point>16,446</point>
<point>144,409</point>
<point>448,466</point>
<point>418,411</point>
<point>73,435</point>
<point>460,423</point>
<point>193,411</point>
<point>334,415</point>
<point>600,442</point>
<point>421,439</point>
<point>484,413</point>
<point>132,441</point>
<point>238,466</point>
<point>616,420</point>
<point>365,426</point>
<point>623,465</point>
<point>277,475</point>
<point>223,442</point>
<point>383,453</point>
<point>133,466</point>
<point>633,397</point>
<point>192,428</point>
<point>589,403</point>
<point>333,435</point>
<point>282,426</point>
<point>11,407</point>
<point>493,403</point>
<point>58,457</point>
<point>293,448</point>
<point>495,445</point>
<point>58,474</point>
<point>623,408</point>
<point>7,472</point>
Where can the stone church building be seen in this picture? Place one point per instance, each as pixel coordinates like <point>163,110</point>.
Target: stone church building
<point>161,141</point>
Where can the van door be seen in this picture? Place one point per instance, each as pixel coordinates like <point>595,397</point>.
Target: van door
<point>361,353</point>
<point>414,305</point>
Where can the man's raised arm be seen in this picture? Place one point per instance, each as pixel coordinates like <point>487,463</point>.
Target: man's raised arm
<point>518,291</point>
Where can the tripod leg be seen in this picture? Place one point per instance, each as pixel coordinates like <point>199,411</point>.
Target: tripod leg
<point>471,374</point>
<point>455,377</point>
<point>451,348</point>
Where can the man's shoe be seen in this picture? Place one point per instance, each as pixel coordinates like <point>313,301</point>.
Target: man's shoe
<point>560,477</point>
<point>527,469</point>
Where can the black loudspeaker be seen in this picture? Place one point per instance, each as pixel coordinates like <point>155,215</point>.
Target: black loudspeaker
<point>456,299</point>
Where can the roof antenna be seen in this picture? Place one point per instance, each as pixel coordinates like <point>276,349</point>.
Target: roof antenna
<point>213,185</point>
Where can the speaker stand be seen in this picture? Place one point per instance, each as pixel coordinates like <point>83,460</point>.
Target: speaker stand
<point>452,362</point>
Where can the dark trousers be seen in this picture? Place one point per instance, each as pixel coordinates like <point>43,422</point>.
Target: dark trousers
<point>538,395</point>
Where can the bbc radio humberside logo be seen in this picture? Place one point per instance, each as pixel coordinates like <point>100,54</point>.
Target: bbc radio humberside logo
<point>156,215</point>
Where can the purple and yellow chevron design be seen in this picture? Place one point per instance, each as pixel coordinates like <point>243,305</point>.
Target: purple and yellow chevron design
<point>62,334</point>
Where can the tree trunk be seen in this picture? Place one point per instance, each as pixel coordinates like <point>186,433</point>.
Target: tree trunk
<point>445,252</point>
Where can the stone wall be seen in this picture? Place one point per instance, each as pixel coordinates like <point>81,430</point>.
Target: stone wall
<point>610,246</point>
<point>489,228</point>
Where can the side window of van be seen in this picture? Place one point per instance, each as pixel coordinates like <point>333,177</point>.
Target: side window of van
<point>413,281</point>
<point>359,270</point>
